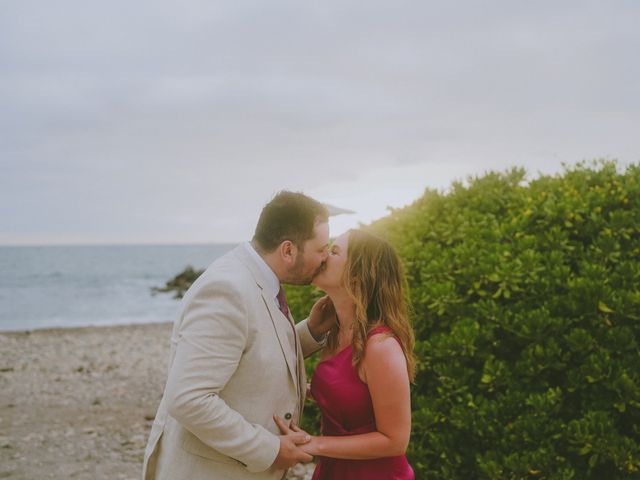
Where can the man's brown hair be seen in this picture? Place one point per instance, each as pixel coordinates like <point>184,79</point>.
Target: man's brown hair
<point>288,216</point>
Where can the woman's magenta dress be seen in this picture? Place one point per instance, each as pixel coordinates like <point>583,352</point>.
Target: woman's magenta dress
<point>346,407</point>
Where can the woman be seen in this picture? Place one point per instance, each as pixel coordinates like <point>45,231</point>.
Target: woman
<point>362,381</point>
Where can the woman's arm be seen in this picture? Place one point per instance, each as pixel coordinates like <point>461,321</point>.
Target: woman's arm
<point>385,370</point>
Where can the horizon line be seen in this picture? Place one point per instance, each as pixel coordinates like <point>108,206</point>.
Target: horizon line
<point>119,244</point>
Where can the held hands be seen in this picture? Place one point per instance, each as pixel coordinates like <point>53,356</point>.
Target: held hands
<point>291,441</point>
<point>309,447</point>
<point>322,317</point>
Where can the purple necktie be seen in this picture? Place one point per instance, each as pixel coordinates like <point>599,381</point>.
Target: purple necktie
<point>282,303</point>
<point>284,308</point>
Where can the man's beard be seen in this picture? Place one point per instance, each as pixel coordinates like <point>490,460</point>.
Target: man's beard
<point>297,277</point>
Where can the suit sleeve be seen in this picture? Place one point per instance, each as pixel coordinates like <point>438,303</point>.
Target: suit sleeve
<point>211,339</point>
<point>307,342</point>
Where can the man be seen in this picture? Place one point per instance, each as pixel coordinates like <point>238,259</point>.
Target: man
<point>237,359</point>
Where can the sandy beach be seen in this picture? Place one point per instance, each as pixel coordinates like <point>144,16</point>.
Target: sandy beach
<point>79,403</point>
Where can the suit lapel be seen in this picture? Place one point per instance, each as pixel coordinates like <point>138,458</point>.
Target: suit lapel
<point>282,330</point>
<point>302,379</point>
<point>281,326</point>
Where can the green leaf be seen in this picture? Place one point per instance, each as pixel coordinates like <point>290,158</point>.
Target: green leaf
<point>586,449</point>
<point>603,307</point>
<point>486,378</point>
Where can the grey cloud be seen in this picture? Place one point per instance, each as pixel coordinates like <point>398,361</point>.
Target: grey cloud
<point>157,112</point>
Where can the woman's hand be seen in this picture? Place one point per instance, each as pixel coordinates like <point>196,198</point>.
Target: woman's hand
<point>322,317</point>
<point>311,447</point>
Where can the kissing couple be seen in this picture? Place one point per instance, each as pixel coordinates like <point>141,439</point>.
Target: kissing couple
<point>236,384</point>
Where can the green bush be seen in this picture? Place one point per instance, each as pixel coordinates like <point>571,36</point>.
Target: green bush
<point>527,317</point>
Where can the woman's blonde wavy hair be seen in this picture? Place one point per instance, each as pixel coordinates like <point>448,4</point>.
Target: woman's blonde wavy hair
<point>374,279</point>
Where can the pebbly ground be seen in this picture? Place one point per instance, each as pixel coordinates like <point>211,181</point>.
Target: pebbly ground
<point>79,403</point>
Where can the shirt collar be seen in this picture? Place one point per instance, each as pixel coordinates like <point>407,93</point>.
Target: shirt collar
<point>272,282</point>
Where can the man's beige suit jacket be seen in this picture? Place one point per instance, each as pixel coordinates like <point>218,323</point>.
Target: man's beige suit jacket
<point>233,365</point>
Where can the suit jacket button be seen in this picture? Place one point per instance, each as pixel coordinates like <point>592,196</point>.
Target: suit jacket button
<point>287,416</point>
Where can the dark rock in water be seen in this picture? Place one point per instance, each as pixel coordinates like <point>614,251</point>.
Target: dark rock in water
<point>180,283</point>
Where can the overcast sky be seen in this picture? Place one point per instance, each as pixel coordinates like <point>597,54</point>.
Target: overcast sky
<point>173,122</point>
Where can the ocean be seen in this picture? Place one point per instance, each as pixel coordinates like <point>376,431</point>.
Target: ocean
<point>76,286</point>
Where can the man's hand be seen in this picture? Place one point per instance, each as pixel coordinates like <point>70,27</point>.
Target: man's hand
<point>322,318</point>
<point>290,454</point>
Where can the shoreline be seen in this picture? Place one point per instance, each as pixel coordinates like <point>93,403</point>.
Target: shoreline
<point>79,402</point>
<point>79,328</point>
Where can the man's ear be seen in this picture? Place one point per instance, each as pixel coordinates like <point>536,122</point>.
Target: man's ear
<point>288,251</point>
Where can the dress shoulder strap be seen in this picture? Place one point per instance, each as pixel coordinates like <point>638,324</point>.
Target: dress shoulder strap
<point>379,329</point>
